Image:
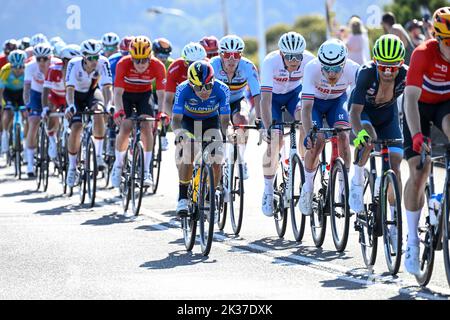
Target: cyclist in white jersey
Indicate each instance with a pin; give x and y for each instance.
(84, 75)
(327, 79)
(281, 84)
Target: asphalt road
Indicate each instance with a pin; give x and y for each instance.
(52, 248)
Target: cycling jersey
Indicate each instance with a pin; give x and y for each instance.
(430, 72)
(316, 85)
(176, 74)
(35, 76)
(189, 104)
(78, 78)
(275, 77)
(3, 60)
(367, 86)
(167, 64)
(130, 80)
(55, 82)
(113, 61)
(245, 74)
(8, 79)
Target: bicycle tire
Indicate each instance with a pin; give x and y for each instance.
(445, 233)
(237, 198)
(340, 240)
(137, 178)
(189, 223)
(91, 172)
(17, 150)
(280, 212)
(125, 182)
(318, 212)
(206, 213)
(38, 156)
(228, 169)
(297, 229)
(156, 161)
(45, 161)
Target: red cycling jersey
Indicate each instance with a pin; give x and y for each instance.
(54, 80)
(430, 72)
(130, 80)
(176, 74)
(3, 60)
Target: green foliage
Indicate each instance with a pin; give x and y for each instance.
(314, 29)
(406, 10)
(374, 34)
(274, 33)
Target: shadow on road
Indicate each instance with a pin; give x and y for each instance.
(271, 243)
(108, 220)
(414, 290)
(163, 226)
(177, 259)
(20, 193)
(59, 210)
(42, 199)
(320, 254)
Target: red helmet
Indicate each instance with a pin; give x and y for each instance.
(125, 44)
(211, 45)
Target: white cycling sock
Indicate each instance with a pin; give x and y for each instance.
(147, 159)
(309, 181)
(120, 158)
(413, 218)
(30, 160)
(268, 185)
(358, 178)
(72, 161)
(98, 143)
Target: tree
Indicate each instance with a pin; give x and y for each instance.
(274, 33)
(406, 10)
(314, 29)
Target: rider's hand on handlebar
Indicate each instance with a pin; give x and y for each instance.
(111, 109)
(118, 115)
(45, 112)
(419, 142)
(70, 111)
(310, 140)
(362, 140)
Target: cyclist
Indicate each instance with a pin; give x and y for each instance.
(84, 75)
(374, 113)
(124, 51)
(24, 43)
(327, 79)
(11, 91)
(35, 72)
(390, 26)
(202, 106)
(177, 72)
(133, 88)
(162, 49)
(110, 43)
(211, 45)
(238, 73)
(427, 99)
(281, 84)
(8, 46)
(54, 94)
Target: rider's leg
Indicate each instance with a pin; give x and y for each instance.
(34, 121)
(147, 140)
(122, 142)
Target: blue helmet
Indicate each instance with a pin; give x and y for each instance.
(17, 58)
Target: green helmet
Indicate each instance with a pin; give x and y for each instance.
(389, 48)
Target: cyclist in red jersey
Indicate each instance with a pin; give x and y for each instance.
(177, 72)
(211, 45)
(8, 46)
(133, 88)
(427, 97)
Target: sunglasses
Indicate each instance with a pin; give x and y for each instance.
(141, 61)
(93, 58)
(110, 48)
(388, 68)
(335, 69)
(18, 66)
(206, 87)
(289, 56)
(235, 55)
(445, 41)
(42, 59)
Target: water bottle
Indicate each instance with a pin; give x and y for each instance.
(434, 206)
(377, 186)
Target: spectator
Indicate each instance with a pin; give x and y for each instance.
(391, 26)
(414, 28)
(343, 33)
(357, 42)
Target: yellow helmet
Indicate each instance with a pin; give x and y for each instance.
(140, 48)
(441, 22)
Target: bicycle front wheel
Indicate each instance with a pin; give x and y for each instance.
(207, 208)
(155, 166)
(280, 210)
(45, 160)
(137, 178)
(125, 190)
(298, 179)
(237, 199)
(318, 217)
(91, 172)
(339, 207)
(38, 156)
(446, 231)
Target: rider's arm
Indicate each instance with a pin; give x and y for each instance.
(160, 82)
(267, 74)
(1, 95)
(224, 108)
(308, 96)
(168, 102)
(355, 117)
(358, 98)
(266, 108)
(307, 106)
(108, 94)
(26, 92)
(45, 94)
(118, 98)
(170, 88)
(176, 121)
(257, 104)
(255, 88)
(178, 108)
(412, 96)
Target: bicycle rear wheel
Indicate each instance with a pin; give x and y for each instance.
(18, 152)
(446, 232)
(392, 245)
(207, 209)
(227, 171)
(298, 220)
(280, 212)
(189, 223)
(137, 178)
(155, 165)
(339, 207)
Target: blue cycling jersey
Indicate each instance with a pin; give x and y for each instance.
(245, 75)
(113, 61)
(189, 104)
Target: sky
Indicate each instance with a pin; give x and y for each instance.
(77, 20)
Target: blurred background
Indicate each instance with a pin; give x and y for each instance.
(182, 21)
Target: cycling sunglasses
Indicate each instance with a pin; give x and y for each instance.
(93, 58)
(388, 68)
(141, 61)
(42, 59)
(18, 66)
(206, 87)
(445, 41)
(335, 69)
(110, 48)
(290, 57)
(235, 55)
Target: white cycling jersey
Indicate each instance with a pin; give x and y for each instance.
(276, 79)
(315, 85)
(34, 75)
(82, 81)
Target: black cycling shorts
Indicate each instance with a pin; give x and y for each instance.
(85, 101)
(140, 101)
(13, 98)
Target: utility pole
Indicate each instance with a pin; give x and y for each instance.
(226, 30)
(262, 50)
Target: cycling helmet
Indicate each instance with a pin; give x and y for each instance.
(57, 47)
(292, 43)
(10, 45)
(441, 22)
(413, 24)
(125, 44)
(70, 51)
(37, 39)
(24, 43)
(200, 73)
(389, 48)
(42, 50)
(162, 46)
(90, 47)
(211, 45)
(332, 52)
(55, 40)
(193, 52)
(17, 58)
(110, 40)
(231, 43)
(140, 47)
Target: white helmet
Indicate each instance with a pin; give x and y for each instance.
(70, 51)
(231, 43)
(37, 39)
(91, 47)
(332, 52)
(110, 39)
(55, 40)
(193, 52)
(42, 50)
(292, 43)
